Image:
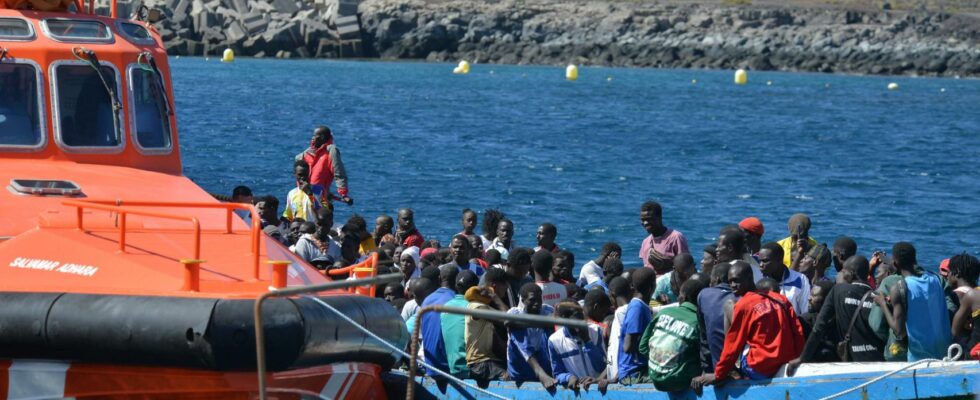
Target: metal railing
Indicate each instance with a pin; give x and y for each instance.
(293, 291)
(118, 206)
(525, 319)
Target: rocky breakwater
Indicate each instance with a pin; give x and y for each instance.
(673, 36)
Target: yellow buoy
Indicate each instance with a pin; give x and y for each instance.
(571, 72)
(463, 68)
(741, 77)
(893, 86)
(228, 56)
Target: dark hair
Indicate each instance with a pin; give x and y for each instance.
(719, 273)
(300, 163)
(711, 248)
(733, 237)
(541, 262)
(610, 247)
(491, 217)
(358, 222)
(652, 207)
(824, 286)
(846, 246)
(307, 227)
(429, 260)
(644, 279)
(465, 280)
(241, 191)
(965, 267)
(495, 275)
(466, 242)
(776, 250)
(270, 200)
(685, 258)
(691, 289)
(468, 211)
(575, 292)
(528, 288)
(903, 255)
(859, 266)
(612, 264)
(492, 257)
(566, 308)
(520, 255)
(567, 255)
(448, 274)
(323, 130)
(620, 287)
(768, 284)
(550, 228)
(595, 297)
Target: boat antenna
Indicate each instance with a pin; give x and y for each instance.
(93, 61)
(145, 61)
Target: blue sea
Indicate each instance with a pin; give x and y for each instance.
(881, 166)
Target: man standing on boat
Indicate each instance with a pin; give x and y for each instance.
(325, 163)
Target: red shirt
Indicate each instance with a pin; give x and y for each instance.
(413, 239)
(769, 326)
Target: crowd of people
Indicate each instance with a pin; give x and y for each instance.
(746, 310)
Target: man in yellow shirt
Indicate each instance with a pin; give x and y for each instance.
(799, 241)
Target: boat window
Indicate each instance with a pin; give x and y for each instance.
(76, 30)
(149, 109)
(135, 33)
(20, 113)
(84, 107)
(15, 29)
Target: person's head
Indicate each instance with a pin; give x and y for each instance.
(350, 243)
(389, 249)
(492, 257)
(505, 231)
(771, 260)
(531, 297)
(468, 221)
(709, 258)
(609, 250)
(394, 291)
(301, 171)
(360, 226)
(491, 219)
(690, 290)
(819, 294)
(294, 230)
(409, 261)
(428, 258)
(903, 256)
(383, 225)
(476, 246)
(324, 219)
(546, 235)
(422, 288)
(447, 276)
(564, 264)
(321, 136)
(644, 281)
(619, 289)
(740, 278)
(651, 217)
(844, 248)
(815, 261)
(859, 266)
(753, 229)
(597, 304)
(519, 262)
(719, 274)
(465, 280)
(612, 267)
(496, 279)
(683, 269)
(767, 284)
(731, 244)
(964, 270)
(883, 271)
(799, 226)
(541, 263)
(569, 309)
(268, 208)
(242, 194)
(307, 228)
(459, 249)
(406, 219)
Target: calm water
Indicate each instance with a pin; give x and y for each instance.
(877, 165)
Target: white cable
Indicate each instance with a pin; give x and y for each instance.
(949, 357)
(402, 352)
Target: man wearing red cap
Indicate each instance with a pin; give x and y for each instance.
(753, 229)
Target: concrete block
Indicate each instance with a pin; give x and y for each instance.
(234, 32)
(348, 26)
(285, 6)
(301, 52)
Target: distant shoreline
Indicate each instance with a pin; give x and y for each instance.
(616, 34)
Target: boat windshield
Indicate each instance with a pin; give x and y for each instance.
(150, 115)
(84, 107)
(20, 119)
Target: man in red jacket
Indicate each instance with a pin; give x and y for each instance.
(325, 163)
(764, 334)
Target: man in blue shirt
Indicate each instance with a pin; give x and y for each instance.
(527, 348)
(461, 249)
(632, 364)
(433, 345)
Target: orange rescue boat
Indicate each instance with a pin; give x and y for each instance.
(119, 277)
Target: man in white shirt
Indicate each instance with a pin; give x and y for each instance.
(794, 285)
(592, 270)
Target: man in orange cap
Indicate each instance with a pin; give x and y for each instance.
(753, 229)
